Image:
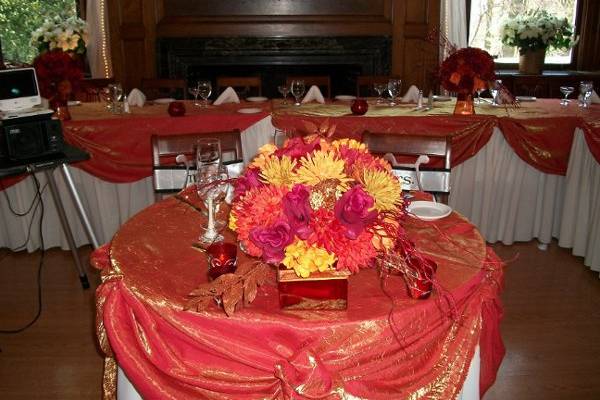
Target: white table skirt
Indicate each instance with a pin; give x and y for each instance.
(506, 198)
(469, 391)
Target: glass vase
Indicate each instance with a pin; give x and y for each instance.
(464, 104)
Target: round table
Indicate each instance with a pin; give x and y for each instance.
(384, 346)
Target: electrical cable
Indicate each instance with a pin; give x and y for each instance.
(40, 265)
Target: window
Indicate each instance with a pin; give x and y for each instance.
(487, 16)
(18, 18)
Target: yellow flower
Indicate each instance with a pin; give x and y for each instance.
(384, 188)
(279, 171)
(383, 240)
(267, 149)
(232, 221)
(304, 258)
(350, 143)
(320, 166)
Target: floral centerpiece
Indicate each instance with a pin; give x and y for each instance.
(69, 35)
(532, 33)
(465, 71)
(58, 76)
(315, 206)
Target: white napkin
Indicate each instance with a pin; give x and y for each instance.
(314, 94)
(136, 98)
(411, 96)
(595, 97)
(228, 96)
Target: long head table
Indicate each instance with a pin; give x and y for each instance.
(383, 346)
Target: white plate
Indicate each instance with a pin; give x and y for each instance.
(343, 97)
(442, 98)
(526, 98)
(249, 110)
(429, 210)
(72, 103)
(256, 99)
(165, 100)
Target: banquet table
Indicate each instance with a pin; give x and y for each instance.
(518, 174)
(385, 345)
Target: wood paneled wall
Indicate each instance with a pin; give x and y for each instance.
(135, 25)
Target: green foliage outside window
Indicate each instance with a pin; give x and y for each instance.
(18, 18)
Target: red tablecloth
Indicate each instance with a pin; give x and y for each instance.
(540, 132)
(380, 348)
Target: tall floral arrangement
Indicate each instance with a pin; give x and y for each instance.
(537, 30)
(467, 70)
(316, 205)
(66, 34)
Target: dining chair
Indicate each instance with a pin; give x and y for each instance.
(243, 85)
(416, 150)
(323, 82)
(90, 90)
(174, 158)
(158, 88)
(364, 84)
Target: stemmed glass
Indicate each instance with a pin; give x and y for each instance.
(297, 89)
(210, 184)
(566, 91)
(495, 91)
(204, 90)
(195, 91)
(284, 90)
(479, 91)
(379, 88)
(585, 91)
(394, 87)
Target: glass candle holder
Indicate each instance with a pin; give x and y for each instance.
(222, 259)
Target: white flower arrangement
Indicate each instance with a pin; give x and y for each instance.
(70, 34)
(538, 30)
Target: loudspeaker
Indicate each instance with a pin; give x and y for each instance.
(26, 140)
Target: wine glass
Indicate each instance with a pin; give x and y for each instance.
(379, 88)
(284, 90)
(394, 87)
(585, 92)
(195, 91)
(208, 178)
(107, 96)
(116, 94)
(479, 91)
(566, 91)
(297, 89)
(495, 91)
(204, 90)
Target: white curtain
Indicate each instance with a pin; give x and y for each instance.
(454, 23)
(98, 49)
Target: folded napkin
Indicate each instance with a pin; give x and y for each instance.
(411, 96)
(136, 98)
(228, 96)
(314, 94)
(595, 97)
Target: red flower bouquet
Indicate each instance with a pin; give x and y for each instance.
(58, 74)
(467, 70)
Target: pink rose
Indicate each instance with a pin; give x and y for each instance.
(352, 210)
(272, 240)
(297, 210)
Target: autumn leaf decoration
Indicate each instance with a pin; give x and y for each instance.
(231, 289)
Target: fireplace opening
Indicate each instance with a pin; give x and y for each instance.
(273, 59)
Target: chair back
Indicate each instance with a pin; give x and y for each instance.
(158, 88)
(168, 176)
(434, 180)
(323, 82)
(244, 86)
(364, 84)
(90, 90)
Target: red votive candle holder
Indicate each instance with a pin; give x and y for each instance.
(419, 278)
(222, 259)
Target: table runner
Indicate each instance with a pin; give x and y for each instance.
(378, 349)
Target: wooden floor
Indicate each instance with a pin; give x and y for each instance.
(551, 328)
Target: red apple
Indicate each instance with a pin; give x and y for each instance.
(359, 107)
(176, 109)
